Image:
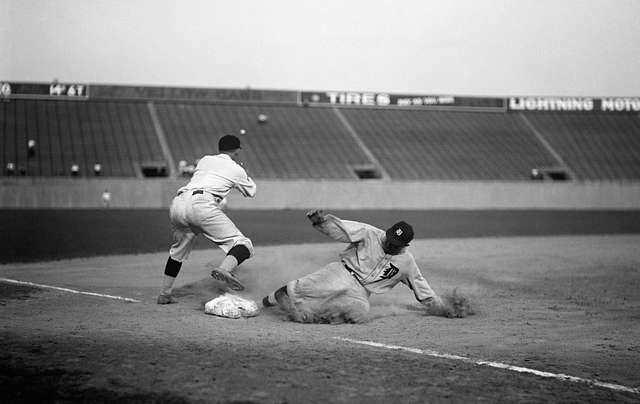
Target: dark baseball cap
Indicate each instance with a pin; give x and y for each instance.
(228, 142)
(400, 233)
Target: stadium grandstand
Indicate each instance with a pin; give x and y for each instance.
(119, 131)
(289, 141)
(596, 146)
(115, 135)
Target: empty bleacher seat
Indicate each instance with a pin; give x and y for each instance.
(438, 145)
(296, 142)
(117, 134)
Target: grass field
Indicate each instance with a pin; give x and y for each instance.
(562, 310)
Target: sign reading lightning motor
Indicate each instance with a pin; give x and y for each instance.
(575, 104)
(620, 104)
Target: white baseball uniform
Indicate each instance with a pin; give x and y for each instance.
(196, 209)
(342, 289)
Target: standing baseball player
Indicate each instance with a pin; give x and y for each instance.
(197, 208)
(374, 262)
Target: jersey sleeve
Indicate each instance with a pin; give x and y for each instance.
(418, 284)
(346, 231)
(244, 184)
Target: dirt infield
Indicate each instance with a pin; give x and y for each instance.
(563, 305)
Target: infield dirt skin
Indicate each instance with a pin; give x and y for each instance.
(557, 304)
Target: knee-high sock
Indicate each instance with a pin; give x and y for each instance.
(273, 296)
(236, 256)
(171, 270)
(229, 263)
(167, 284)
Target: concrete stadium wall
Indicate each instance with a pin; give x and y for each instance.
(80, 193)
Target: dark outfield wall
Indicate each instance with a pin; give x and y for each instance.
(46, 234)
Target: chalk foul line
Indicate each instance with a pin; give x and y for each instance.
(559, 376)
(80, 292)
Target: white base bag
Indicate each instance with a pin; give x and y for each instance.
(231, 306)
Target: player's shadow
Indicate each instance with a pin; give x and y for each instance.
(200, 291)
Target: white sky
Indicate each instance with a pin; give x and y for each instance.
(457, 47)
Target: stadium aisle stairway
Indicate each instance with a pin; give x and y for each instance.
(293, 142)
(440, 145)
(595, 146)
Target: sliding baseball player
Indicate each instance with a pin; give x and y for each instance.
(374, 262)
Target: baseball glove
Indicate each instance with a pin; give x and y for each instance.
(451, 305)
(316, 216)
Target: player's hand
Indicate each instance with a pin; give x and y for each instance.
(434, 304)
(454, 305)
(316, 216)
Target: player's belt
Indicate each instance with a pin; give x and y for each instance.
(353, 273)
(202, 191)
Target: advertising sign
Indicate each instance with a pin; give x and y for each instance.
(381, 99)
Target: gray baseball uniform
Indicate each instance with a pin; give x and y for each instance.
(342, 289)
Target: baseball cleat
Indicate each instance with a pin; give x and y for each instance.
(228, 278)
(166, 299)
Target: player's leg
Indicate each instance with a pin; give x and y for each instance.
(179, 251)
(328, 295)
(218, 228)
(275, 297)
(177, 254)
(225, 271)
(352, 306)
(171, 269)
(305, 291)
(239, 253)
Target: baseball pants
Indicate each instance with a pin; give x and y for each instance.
(198, 213)
(329, 295)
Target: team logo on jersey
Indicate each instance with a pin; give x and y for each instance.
(390, 272)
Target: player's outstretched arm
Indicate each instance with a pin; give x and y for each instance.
(329, 225)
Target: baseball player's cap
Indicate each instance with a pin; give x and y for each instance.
(228, 142)
(400, 233)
